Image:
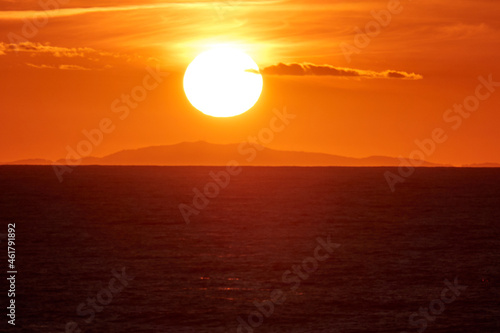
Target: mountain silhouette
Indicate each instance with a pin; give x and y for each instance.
(208, 154)
(33, 161)
(482, 165)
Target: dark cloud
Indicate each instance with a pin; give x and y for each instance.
(327, 70)
(46, 56)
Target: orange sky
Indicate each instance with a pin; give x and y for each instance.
(67, 73)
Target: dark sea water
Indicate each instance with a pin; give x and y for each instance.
(396, 250)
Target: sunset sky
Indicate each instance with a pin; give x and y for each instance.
(64, 76)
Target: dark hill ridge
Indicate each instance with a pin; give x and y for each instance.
(33, 161)
(203, 153)
(482, 165)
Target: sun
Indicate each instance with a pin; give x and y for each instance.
(223, 82)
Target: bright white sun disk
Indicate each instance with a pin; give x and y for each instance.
(223, 82)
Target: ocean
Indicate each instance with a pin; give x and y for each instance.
(270, 249)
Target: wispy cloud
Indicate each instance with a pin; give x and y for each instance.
(63, 12)
(306, 69)
(46, 56)
(460, 31)
(73, 68)
(42, 66)
(56, 51)
(63, 67)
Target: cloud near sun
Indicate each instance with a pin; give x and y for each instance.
(307, 69)
(85, 58)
